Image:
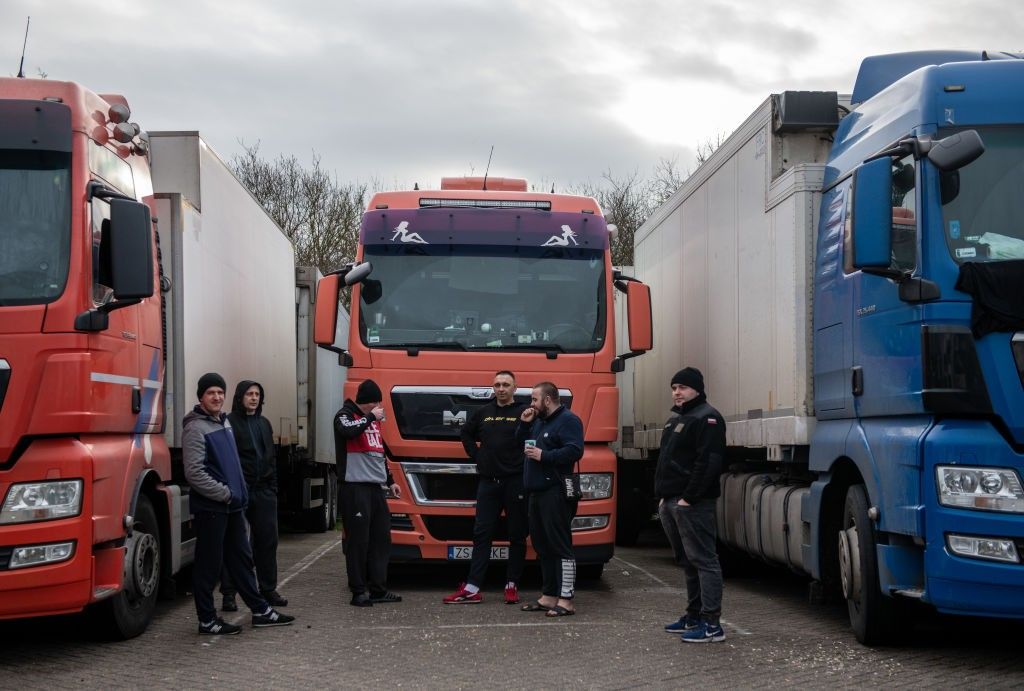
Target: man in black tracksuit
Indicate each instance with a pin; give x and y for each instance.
(499, 466)
(557, 436)
(690, 463)
(254, 438)
(362, 474)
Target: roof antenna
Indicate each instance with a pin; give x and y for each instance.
(21, 67)
(552, 188)
(488, 166)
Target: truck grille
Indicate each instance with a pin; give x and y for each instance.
(440, 483)
(460, 528)
(437, 413)
(5, 378)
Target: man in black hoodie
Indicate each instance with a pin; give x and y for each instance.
(254, 438)
(499, 467)
(687, 480)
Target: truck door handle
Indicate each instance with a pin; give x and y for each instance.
(857, 380)
(136, 400)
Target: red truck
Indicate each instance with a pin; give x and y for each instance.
(450, 286)
(107, 319)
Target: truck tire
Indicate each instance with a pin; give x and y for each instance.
(873, 616)
(127, 614)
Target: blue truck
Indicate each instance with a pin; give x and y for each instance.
(848, 272)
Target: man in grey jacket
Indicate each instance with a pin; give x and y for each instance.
(217, 500)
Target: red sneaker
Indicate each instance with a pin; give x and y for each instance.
(511, 595)
(463, 597)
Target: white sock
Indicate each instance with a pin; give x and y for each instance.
(472, 589)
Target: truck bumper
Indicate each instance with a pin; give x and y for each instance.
(962, 585)
(57, 588)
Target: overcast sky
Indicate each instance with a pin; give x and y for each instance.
(403, 92)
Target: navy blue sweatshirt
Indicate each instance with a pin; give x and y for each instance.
(560, 438)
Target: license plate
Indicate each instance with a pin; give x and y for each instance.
(466, 552)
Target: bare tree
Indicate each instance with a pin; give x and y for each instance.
(318, 214)
(709, 146)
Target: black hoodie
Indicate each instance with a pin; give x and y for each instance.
(692, 453)
(254, 438)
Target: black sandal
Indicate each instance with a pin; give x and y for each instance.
(534, 607)
(559, 611)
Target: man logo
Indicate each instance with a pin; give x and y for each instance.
(454, 419)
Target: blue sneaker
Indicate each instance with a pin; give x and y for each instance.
(704, 633)
(685, 623)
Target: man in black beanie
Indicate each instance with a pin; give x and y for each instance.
(690, 462)
(362, 474)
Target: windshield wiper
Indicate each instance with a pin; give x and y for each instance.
(413, 348)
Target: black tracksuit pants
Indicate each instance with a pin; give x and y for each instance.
(222, 540)
(551, 531)
(262, 516)
(366, 520)
(492, 496)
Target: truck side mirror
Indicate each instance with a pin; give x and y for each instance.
(872, 215)
(325, 319)
(956, 150)
(131, 250)
(638, 313)
(358, 273)
(638, 319)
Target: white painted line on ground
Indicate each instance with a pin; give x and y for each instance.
(737, 629)
(300, 566)
(647, 573)
(307, 561)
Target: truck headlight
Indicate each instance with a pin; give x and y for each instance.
(595, 485)
(38, 555)
(991, 489)
(41, 501)
(994, 548)
(589, 523)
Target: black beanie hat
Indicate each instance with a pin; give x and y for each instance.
(210, 379)
(690, 376)
(369, 392)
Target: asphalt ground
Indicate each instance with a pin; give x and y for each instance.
(775, 638)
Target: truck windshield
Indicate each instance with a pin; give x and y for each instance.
(484, 297)
(983, 202)
(35, 225)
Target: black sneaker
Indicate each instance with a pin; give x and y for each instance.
(274, 598)
(361, 600)
(229, 604)
(218, 627)
(385, 598)
(271, 618)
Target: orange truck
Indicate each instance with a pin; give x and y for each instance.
(450, 286)
(107, 319)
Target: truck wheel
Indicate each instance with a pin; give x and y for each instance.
(128, 613)
(589, 572)
(872, 614)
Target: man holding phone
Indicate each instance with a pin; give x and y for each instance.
(499, 466)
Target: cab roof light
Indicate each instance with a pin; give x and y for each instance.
(435, 202)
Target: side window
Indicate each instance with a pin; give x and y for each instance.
(904, 214)
(102, 293)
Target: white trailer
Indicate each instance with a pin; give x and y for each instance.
(729, 259)
(239, 306)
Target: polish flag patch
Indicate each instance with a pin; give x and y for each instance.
(712, 421)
